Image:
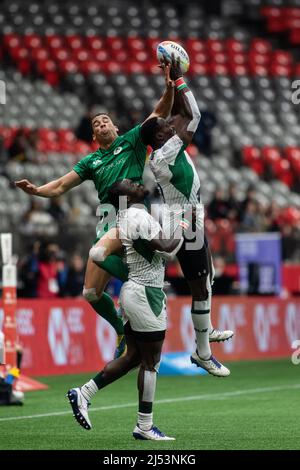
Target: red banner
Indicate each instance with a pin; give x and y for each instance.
(66, 336)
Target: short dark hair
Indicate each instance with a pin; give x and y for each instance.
(98, 114)
(148, 131)
(114, 193)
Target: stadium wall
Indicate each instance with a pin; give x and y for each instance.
(66, 336)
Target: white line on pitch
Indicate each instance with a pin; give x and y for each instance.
(216, 396)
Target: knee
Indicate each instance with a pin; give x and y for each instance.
(151, 366)
(132, 360)
(98, 254)
(91, 295)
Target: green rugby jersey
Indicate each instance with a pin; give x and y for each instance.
(125, 158)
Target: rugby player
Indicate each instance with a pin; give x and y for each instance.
(143, 304)
(179, 184)
(117, 157)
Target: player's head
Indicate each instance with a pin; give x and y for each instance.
(156, 131)
(134, 192)
(104, 130)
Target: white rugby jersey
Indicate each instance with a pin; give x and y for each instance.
(175, 173)
(176, 176)
(136, 227)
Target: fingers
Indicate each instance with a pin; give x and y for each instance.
(25, 185)
(21, 183)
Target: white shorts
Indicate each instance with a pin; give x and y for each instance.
(144, 307)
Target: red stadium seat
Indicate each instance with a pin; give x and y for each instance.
(277, 70)
(237, 69)
(215, 45)
(74, 42)
(195, 45)
(95, 43)
(261, 46)
(282, 170)
(282, 58)
(90, 66)
(260, 70)
(271, 12)
(134, 67)
(234, 46)
(199, 69)
(68, 66)
(256, 58)
(237, 59)
(135, 44)
(200, 58)
(219, 58)
(218, 69)
(32, 41)
(53, 41)
(270, 154)
(252, 158)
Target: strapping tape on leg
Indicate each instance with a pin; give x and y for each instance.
(97, 254)
(149, 385)
(203, 306)
(90, 294)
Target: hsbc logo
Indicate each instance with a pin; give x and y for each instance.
(58, 336)
(265, 317)
(232, 317)
(292, 322)
(24, 322)
(106, 339)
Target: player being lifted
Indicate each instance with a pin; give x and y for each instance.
(117, 157)
(143, 303)
(179, 183)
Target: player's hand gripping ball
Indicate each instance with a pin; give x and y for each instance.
(165, 50)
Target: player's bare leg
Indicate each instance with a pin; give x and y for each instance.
(80, 397)
(150, 353)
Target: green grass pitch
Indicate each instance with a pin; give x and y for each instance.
(257, 407)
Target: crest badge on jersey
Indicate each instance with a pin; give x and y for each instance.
(118, 150)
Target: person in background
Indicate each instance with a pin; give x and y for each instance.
(75, 277)
(47, 282)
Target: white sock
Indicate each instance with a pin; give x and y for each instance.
(211, 327)
(149, 386)
(201, 327)
(89, 389)
(145, 421)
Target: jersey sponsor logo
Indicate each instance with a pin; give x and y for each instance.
(118, 150)
(96, 162)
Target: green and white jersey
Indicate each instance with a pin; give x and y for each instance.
(137, 227)
(125, 158)
(175, 173)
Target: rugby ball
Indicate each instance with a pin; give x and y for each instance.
(165, 50)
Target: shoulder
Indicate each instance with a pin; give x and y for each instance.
(133, 135)
(170, 149)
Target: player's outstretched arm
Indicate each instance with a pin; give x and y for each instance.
(173, 242)
(187, 125)
(164, 106)
(185, 112)
(53, 188)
